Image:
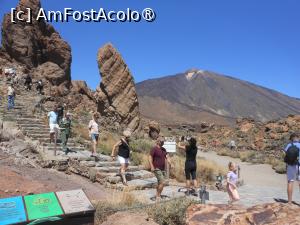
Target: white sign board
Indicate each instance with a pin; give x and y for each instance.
(74, 201)
(170, 146)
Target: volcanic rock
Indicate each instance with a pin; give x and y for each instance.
(272, 214)
(116, 96)
(36, 43)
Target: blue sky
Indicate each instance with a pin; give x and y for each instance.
(253, 40)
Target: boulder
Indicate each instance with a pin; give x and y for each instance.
(154, 130)
(80, 87)
(272, 214)
(116, 96)
(33, 44)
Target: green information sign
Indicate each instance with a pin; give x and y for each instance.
(42, 206)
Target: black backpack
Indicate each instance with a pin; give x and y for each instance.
(292, 155)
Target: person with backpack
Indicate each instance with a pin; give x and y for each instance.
(292, 164)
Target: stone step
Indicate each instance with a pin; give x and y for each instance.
(115, 169)
(74, 148)
(116, 178)
(34, 126)
(137, 184)
(37, 131)
(107, 164)
(32, 122)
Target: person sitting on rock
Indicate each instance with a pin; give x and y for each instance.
(232, 179)
(157, 159)
(123, 154)
(52, 118)
(65, 127)
(292, 160)
(190, 164)
(94, 133)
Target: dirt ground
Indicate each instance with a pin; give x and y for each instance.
(16, 180)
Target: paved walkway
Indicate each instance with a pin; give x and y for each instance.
(262, 184)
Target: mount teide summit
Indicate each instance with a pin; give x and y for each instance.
(202, 96)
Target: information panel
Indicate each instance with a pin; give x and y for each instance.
(12, 211)
(42, 206)
(170, 146)
(74, 201)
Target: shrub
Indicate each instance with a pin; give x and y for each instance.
(140, 159)
(117, 202)
(280, 167)
(141, 145)
(170, 213)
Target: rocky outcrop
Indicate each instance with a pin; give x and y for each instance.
(116, 96)
(37, 45)
(268, 137)
(272, 214)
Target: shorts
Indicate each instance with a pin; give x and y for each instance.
(190, 170)
(292, 173)
(160, 176)
(123, 160)
(53, 128)
(94, 137)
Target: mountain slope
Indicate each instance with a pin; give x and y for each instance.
(197, 96)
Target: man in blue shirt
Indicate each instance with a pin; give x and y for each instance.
(293, 173)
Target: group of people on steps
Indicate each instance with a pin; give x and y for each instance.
(159, 159)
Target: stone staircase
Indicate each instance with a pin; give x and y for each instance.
(100, 169)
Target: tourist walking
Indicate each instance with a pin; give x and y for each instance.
(191, 150)
(65, 131)
(158, 159)
(40, 87)
(52, 118)
(292, 161)
(60, 112)
(10, 97)
(28, 82)
(123, 154)
(232, 179)
(94, 133)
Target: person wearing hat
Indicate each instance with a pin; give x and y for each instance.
(65, 127)
(123, 154)
(10, 96)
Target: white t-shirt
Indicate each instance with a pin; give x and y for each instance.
(93, 127)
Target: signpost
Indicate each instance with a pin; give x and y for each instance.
(12, 211)
(42, 206)
(74, 202)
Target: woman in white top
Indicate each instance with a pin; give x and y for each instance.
(94, 132)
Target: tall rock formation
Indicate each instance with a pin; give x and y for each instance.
(116, 96)
(34, 44)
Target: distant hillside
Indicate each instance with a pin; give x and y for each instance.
(197, 96)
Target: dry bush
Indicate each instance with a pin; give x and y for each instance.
(107, 141)
(118, 201)
(141, 145)
(206, 170)
(172, 212)
(140, 159)
(230, 153)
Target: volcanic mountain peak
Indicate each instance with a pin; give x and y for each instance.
(192, 73)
